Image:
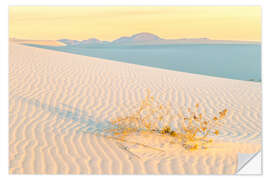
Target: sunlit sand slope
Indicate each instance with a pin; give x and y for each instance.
(59, 104)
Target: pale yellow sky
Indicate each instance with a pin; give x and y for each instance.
(109, 23)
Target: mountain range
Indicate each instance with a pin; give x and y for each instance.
(143, 38)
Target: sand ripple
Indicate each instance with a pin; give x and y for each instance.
(59, 102)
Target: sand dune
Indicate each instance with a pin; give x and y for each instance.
(59, 104)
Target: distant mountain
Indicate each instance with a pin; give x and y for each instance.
(91, 41)
(152, 39)
(137, 38)
(69, 41)
(143, 38)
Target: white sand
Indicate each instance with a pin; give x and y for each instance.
(47, 135)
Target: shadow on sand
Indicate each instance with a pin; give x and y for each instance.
(81, 119)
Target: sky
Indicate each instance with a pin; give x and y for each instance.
(109, 23)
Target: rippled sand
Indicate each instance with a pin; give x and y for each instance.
(59, 103)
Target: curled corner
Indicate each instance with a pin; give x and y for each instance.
(249, 164)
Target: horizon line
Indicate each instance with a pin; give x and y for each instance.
(180, 38)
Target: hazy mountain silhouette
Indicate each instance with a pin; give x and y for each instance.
(146, 38)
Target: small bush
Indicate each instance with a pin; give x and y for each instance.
(194, 131)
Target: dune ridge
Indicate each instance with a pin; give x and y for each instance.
(59, 104)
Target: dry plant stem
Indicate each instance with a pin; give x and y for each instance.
(193, 135)
(135, 143)
(126, 149)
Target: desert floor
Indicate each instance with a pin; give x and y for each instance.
(59, 104)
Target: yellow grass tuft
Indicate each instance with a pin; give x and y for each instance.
(192, 135)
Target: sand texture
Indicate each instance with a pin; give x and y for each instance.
(59, 104)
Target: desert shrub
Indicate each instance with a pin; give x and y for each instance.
(151, 116)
